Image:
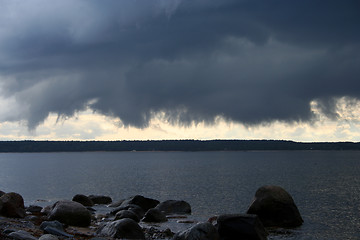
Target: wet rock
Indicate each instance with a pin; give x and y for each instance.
(84, 200)
(22, 235)
(241, 226)
(48, 237)
(57, 232)
(12, 205)
(46, 210)
(127, 214)
(154, 233)
(143, 202)
(53, 224)
(154, 215)
(124, 228)
(132, 207)
(100, 199)
(71, 213)
(201, 231)
(116, 204)
(174, 207)
(34, 209)
(275, 207)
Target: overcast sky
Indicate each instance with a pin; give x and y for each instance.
(248, 68)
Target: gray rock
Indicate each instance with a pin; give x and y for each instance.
(132, 207)
(46, 210)
(84, 200)
(174, 207)
(127, 214)
(1, 193)
(48, 237)
(116, 204)
(12, 205)
(57, 232)
(154, 215)
(241, 226)
(22, 235)
(8, 231)
(71, 213)
(143, 202)
(275, 208)
(34, 209)
(201, 231)
(54, 224)
(124, 228)
(100, 199)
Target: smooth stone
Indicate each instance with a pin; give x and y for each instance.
(34, 209)
(201, 231)
(127, 214)
(143, 202)
(8, 231)
(275, 207)
(240, 226)
(54, 224)
(48, 237)
(174, 207)
(57, 232)
(22, 235)
(12, 205)
(116, 204)
(123, 228)
(71, 213)
(154, 215)
(132, 207)
(100, 199)
(84, 200)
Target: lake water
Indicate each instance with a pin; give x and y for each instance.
(324, 184)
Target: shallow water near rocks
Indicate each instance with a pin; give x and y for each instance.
(324, 184)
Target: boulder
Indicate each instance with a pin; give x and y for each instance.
(116, 204)
(1, 193)
(71, 213)
(84, 200)
(275, 208)
(154, 215)
(12, 205)
(132, 207)
(127, 214)
(201, 231)
(100, 199)
(241, 226)
(174, 207)
(123, 228)
(143, 202)
(34, 209)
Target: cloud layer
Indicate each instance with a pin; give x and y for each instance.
(249, 61)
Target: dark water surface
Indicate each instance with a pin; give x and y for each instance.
(324, 184)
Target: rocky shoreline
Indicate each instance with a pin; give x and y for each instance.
(139, 217)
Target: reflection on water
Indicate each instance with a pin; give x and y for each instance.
(325, 185)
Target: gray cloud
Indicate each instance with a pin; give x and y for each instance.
(248, 61)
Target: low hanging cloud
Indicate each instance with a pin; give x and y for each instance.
(249, 61)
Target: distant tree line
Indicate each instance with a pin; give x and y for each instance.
(171, 145)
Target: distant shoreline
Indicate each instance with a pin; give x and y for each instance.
(170, 145)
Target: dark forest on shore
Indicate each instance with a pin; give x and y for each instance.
(171, 145)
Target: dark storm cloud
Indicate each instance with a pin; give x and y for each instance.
(191, 60)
